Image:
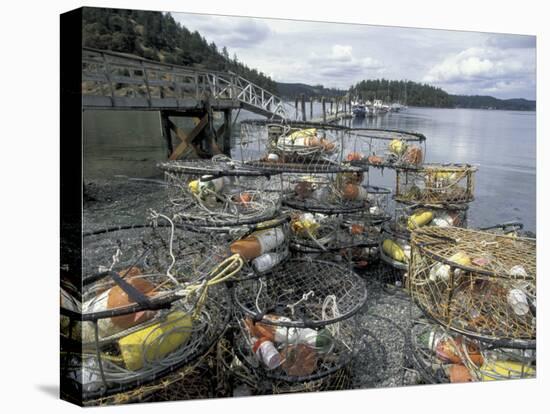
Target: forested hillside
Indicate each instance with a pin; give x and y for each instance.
(157, 36)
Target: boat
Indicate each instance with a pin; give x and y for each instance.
(359, 109)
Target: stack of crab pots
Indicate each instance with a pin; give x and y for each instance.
(297, 325)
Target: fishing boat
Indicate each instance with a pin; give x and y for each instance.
(359, 109)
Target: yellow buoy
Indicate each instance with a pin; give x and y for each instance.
(393, 250)
(419, 219)
(303, 133)
(505, 369)
(398, 147)
(155, 341)
(194, 186)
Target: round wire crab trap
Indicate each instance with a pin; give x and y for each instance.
(408, 218)
(194, 381)
(476, 283)
(243, 378)
(443, 356)
(143, 312)
(349, 238)
(435, 184)
(385, 148)
(302, 147)
(298, 323)
(122, 351)
(220, 192)
(326, 193)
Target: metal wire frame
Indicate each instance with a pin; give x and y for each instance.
(435, 184)
(342, 352)
(259, 139)
(458, 213)
(325, 193)
(282, 291)
(338, 234)
(147, 246)
(483, 361)
(473, 298)
(371, 148)
(105, 370)
(193, 381)
(244, 372)
(203, 194)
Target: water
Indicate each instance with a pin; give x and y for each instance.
(501, 143)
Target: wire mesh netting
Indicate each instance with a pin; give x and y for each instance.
(148, 307)
(476, 283)
(384, 148)
(443, 356)
(298, 323)
(435, 184)
(220, 192)
(408, 218)
(293, 147)
(349, 238)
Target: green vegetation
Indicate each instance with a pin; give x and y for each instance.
(489, 102)
(293, 90)
(157, 36)
(406, 92)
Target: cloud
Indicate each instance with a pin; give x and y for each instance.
(477, 64)
(512, 42)
(341, 63)
(233, 32)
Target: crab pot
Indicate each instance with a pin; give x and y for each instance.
(476, 283)
(220, 192)
(242, 377)
(340, 193)
(443, 356)
(384, 148)
(292, 146)
(408, 218)
(194, 381)
(435, 184)
(133, 344)
(339, 238)
(299, 324)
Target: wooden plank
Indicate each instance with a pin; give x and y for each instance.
(187, 139)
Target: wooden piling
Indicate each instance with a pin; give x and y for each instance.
(303, 99)
(311, 109)
(323, 104)
(166, 131)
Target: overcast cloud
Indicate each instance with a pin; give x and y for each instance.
(339, 55)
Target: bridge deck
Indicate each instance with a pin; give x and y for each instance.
(118, 81)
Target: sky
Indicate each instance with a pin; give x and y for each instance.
(339, 55)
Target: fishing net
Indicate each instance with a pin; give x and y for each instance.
(298, 323)
(220, 192)
(442, 356)
(302, 147)
(476, 283)
(435, 184)
(384, 148)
